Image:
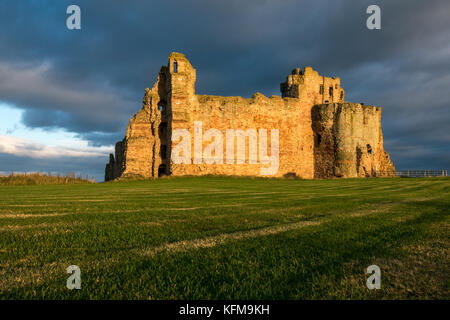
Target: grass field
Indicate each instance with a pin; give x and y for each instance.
(227, 238)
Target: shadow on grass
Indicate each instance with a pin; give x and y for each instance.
(298, 264)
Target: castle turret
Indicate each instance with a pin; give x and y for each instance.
(308, 85)
(182, 77)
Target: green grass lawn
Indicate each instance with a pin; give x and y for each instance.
(227, 238)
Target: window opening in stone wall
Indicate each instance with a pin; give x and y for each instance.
(175, 67)
(342, 95)
(331, 91)
(369, 149)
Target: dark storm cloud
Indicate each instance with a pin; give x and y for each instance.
(91, 81)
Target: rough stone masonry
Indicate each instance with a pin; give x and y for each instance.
(320, 134)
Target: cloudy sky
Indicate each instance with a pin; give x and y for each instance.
(66, 95)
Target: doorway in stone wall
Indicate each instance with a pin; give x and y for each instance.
(162, 170)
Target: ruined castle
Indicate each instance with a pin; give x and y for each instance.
(309, 132)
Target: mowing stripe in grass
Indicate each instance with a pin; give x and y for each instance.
(213, 241)
(246, 238)
(209, 242)
(31, 215)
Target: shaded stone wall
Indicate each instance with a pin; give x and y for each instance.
(320, 135)
(348, 141)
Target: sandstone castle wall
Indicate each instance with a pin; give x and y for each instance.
(320, 134)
